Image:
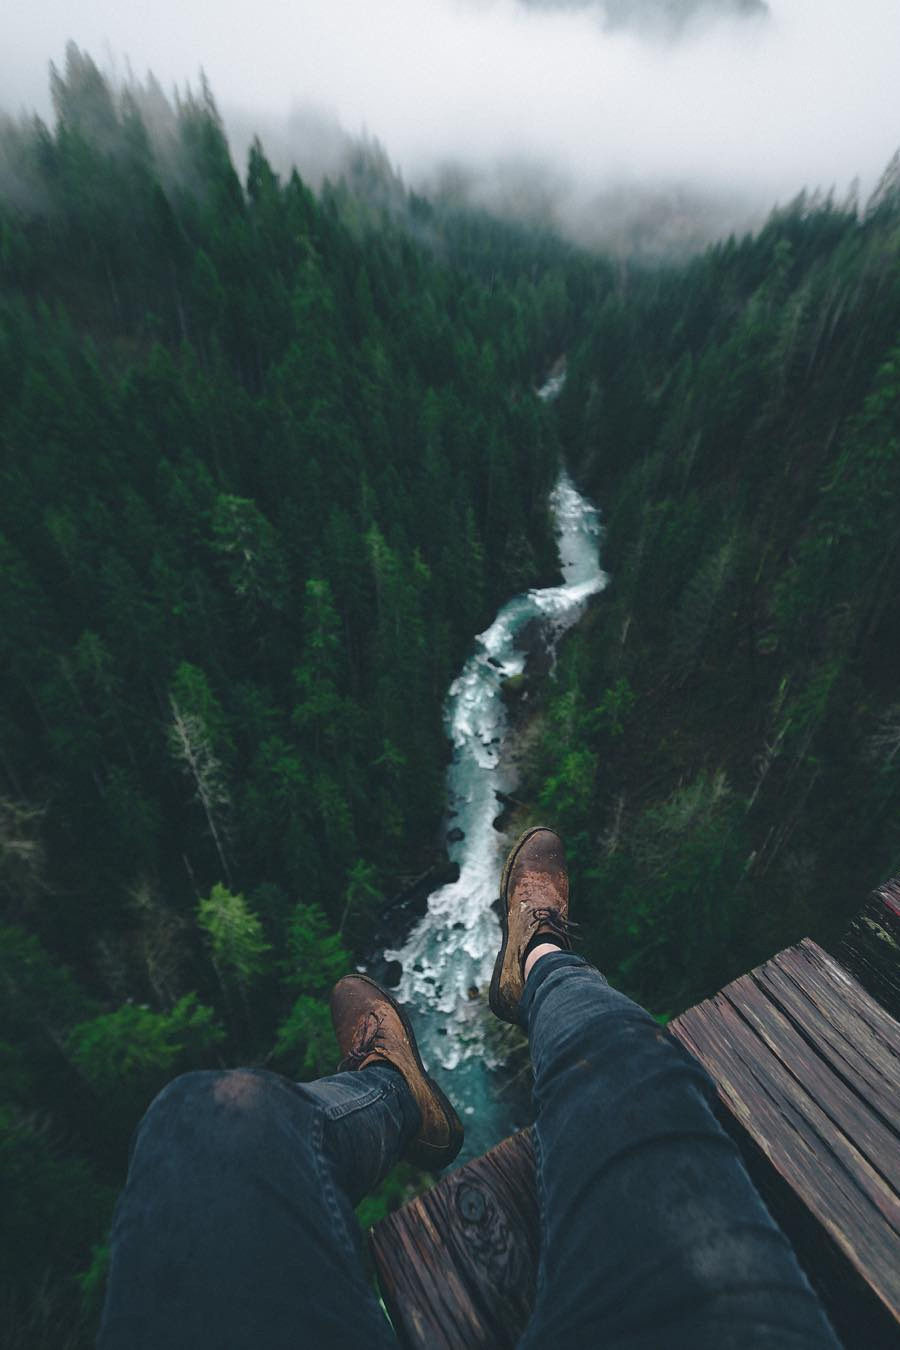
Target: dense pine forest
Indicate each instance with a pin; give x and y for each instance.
(721, 748)
(269, 460)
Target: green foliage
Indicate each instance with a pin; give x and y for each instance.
(720, 738)
(239, 948)
(270, 461)
(363, 897)
(305, 1043)
(685, 858)
(316, 957)
(53, 1208)
(92, 1283)
(402, 1183)
(611, 712)
(249, 548)
(565, 795)
(136, 1050)
(38, 998)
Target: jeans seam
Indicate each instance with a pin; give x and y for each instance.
(341, 1109)
(542, 1214)
(326, 1183)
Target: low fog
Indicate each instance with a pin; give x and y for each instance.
(696, 109)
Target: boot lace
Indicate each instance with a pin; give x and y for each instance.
(367, 1038)
(552, 920)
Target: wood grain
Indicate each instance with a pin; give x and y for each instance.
(457, 1266)
(809, 1065)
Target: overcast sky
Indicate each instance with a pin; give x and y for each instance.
(810, 97)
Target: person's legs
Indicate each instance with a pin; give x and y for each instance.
(236, 1226)
(652, 1234)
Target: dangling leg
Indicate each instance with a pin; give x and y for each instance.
(652, 1233)
(236, 1226)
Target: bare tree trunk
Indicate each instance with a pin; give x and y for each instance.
(190, 742)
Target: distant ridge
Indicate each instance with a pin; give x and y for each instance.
(669, 17)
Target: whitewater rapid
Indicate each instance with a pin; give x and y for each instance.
(448, 958)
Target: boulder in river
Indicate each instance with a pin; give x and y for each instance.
(536, 640)
(515, 688)
(391, 975)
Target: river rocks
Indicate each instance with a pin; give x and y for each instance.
(536, 640)
(392, 974)
(515, 688)
(402, 912)
(456, 835)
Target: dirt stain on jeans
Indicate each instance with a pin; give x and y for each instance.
(237, 1088)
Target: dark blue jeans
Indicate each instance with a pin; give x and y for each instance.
(236, 1227)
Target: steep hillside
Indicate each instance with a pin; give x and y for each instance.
(270, 459)
(267, 464)
(721, 745)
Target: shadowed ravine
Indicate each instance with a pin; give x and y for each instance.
(448, 957)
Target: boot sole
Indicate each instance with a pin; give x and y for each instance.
(499, 1006)
(432, 1157)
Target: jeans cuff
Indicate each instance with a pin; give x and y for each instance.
(540, 972)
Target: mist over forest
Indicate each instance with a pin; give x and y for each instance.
(659, 18)
(272, 454)
(661, 124)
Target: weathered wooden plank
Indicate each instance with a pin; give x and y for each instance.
(833, 1200)
(810, 1067)
(754, 1090)
(849, 998)
(805, 1061)
(838, 1116)
(457, 1266)
(823, 1009)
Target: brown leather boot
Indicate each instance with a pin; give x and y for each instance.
(534, 902)
(372, 1028)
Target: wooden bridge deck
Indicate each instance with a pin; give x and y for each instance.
(457, 1265)
(807, 1066)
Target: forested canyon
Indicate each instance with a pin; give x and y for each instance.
(271, 459)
